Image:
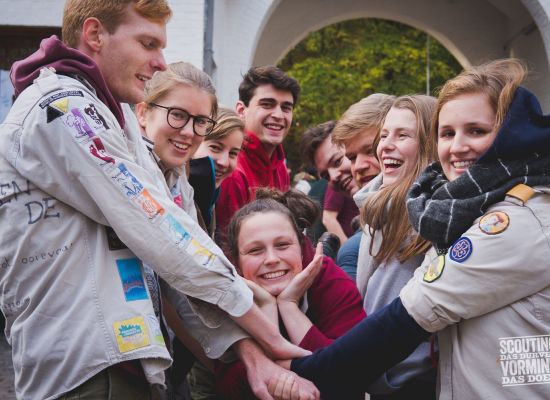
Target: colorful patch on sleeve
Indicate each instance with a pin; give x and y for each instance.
(175, 191)
(461, 250)
(178, 232)
(202, 255)
(76, 121)
(156, 332)
(98, 150)
(61, 105)
(58, 96)
(435, 269)
(148, 204)
(131, 278)
(96, 118)
(52, 114)
(127, 181)
(494, 223)
(178, 199)
(131, 334)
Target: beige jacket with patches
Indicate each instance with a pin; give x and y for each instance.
(74, 297)
(490, 302)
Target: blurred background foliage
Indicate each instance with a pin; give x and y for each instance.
(340, 64)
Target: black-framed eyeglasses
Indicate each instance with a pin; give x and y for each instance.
(177, 118)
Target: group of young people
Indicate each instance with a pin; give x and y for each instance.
(134, 237)
(455, 230)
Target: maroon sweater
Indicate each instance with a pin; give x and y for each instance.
(334, 307)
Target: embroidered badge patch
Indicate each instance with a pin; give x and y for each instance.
(435, 269)
(202, 255)
(178, 232)
(131, 279)
(58, 96)
(494, 223)
(461, 250)
(98, 150)
(82, 130)
(96, 118)
(131, 334)
(52, 114)
(155, 329)
(148, 204)
(127, 181)
(61, 105)
(56, 109)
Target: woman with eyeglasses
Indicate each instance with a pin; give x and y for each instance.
(179, 110)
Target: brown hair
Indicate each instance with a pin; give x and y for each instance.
(366, 113)
(386, 212)
(312, 138)
(109, 12)
(304, 213)
(180, 73)
(267, 75)
(498, 80)
(227, 121)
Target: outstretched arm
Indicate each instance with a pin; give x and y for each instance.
(377, 343)
(268, 380)
(267, 334)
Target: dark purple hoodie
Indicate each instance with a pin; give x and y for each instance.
(66, 61)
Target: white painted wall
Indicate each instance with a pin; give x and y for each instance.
(31, 12)
(236, 23)
(185, 32)
(255, 32)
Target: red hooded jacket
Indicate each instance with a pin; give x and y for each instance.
(254, 170)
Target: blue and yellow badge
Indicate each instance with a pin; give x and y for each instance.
(131, 278)
(494, 223)
(435, 269)
(131, 334)
(461, 250)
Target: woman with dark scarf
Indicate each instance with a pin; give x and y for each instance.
(484, 286)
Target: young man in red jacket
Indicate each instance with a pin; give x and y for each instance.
(267, 97)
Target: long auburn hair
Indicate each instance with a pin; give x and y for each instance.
(385, 212)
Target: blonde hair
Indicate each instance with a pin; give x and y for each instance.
(366, 113)
(180, 73)
(498, 80)
(109, 12)
(386, 212)
(227, 121)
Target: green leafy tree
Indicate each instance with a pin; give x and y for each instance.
(342, 63)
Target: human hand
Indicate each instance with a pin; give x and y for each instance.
(261, 296)
(267, 334)
(302, 281)
(289, 386)
(270, 381)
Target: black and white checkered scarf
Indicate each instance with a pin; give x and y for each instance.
(440, 211)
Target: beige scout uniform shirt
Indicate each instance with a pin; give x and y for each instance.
(75, 302)
(489, 296)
